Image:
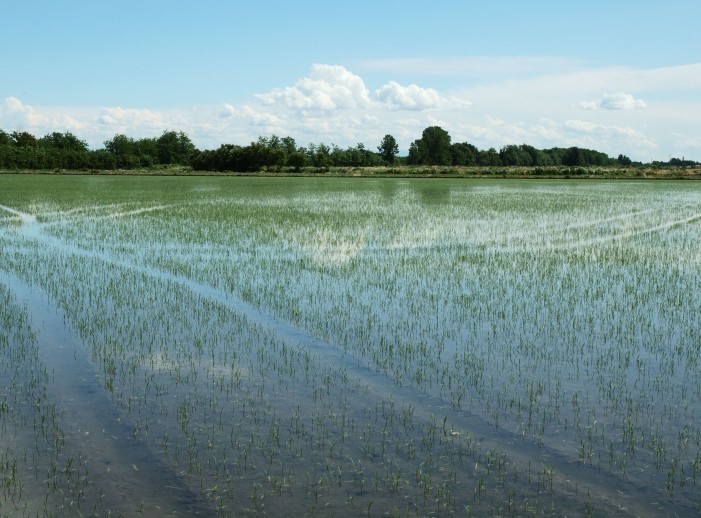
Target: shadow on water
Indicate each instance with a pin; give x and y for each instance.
(125, 477)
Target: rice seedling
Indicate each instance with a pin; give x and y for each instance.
(251, 345)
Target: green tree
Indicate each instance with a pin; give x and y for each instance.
(319, 155)
(297, 159)
(624, 160)
(23, 139)
(515, 156)
(388, 149)
(102, 159)
(289, 145)
(489, 157)
(175, 147)
(433, 148)
(120, 145)
(417, 153)
(64, 142)
(437, 145)
(463, 153)
(124, 150)
(5, 139)
(146, 152)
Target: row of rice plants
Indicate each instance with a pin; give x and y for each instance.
(121, 350)
(516, 329)
(561, 292)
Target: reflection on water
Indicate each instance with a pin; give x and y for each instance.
(242, 346)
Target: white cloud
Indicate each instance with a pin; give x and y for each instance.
(332, 87)
(15, 114)
(545, 133)
(334, 105)
(121, 117)
(13, 105)
(228, 110)
(582, 126)
(621, 101)
(686, 142)
(412, 97)
(590, 105)
(615, 101)
(248, 115)
(603, 137)
(328, 87)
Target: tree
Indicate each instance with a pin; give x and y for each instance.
(489, 157)
(175, 147)
(417, 153)
(433, 148)
(289, 145)
(463, 153)
(23, 139)
(102, 159)
(125, 151)
(624, 160)
(576, 156)
(146, 151)
(297, 159)
(120, 145)
(512, 155)
(64, 142)
(388, 149)
(437, 145)
(319, 155)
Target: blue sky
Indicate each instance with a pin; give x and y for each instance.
(616, 76)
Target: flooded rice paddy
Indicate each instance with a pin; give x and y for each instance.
(355, 347)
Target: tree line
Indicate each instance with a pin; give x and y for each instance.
(434, 148)
(22, 150)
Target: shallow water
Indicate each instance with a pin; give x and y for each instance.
(330, 347)
(123, 476)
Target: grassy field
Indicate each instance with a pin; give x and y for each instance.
(312, 346)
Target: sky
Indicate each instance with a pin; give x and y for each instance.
(618, 76)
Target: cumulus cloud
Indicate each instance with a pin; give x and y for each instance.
(604, 137)
(615, 101)
(15, 114)
(13, 105)
(227, 110)
(333, 87)
(621, 101)
(249, 115)
(328, 87)
(582, 126)
(118, 117)
(412, 97)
